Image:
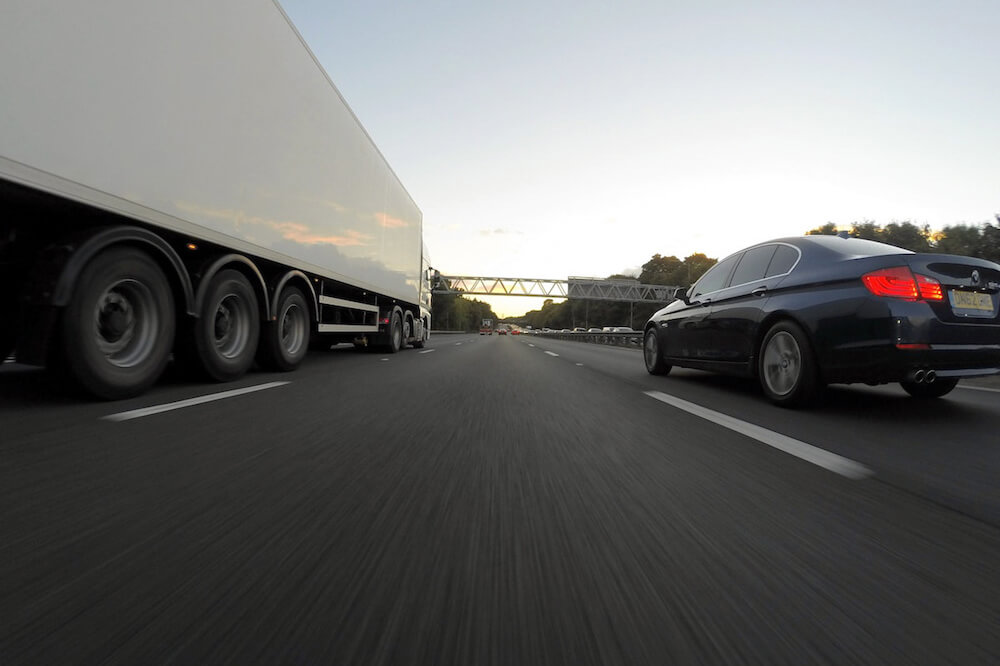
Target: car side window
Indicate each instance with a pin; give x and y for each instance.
(783, 260)
(716, 278)
(753, 265)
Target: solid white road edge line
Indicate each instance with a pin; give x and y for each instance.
(180, 404)
(808, 452)
(552, 353)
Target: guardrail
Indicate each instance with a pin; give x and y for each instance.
(632, 339)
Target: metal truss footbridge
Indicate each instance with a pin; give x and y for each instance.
(594, 289)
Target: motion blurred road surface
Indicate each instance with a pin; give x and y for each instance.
(496, 500)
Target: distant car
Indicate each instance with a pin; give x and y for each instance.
(565, 330)
(594, 330)
(800, 313)
(516, 331)
(502, 331)
(579, 329)
(622, 329)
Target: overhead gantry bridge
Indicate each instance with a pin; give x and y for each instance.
(595, 289)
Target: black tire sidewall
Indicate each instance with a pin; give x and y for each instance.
(807, 383)
(395, 333)
(659, 367)
(215, 365)
(277, 357)
(85, 362)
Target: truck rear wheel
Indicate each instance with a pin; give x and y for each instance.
(228, 328)
(118, 329)
(285, 341)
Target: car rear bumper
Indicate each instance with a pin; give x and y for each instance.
(890, 363)
(889, 341)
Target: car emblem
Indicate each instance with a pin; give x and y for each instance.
(975, 277)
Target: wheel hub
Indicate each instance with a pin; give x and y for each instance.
(223, 322)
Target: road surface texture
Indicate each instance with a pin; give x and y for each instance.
(496, 500)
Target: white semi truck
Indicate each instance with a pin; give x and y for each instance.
(183, 178)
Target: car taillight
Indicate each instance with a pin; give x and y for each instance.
(930, 289)
(901, 282)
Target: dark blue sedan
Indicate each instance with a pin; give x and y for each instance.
(800, 313)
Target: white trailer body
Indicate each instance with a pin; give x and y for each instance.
(212, 128)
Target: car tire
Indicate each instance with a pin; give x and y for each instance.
(655, 365)
(285, 341)
(935, 389)
(118, 329)
(786, 366)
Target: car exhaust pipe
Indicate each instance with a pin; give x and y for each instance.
(918, 376)
(929, 376)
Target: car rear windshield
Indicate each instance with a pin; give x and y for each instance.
(855, 247)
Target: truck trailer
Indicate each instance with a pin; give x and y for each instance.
(183, 180)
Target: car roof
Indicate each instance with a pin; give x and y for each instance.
(834, 247)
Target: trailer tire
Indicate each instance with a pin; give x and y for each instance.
(285, 341)
(225, 334)
(118, 329)
(395, 333)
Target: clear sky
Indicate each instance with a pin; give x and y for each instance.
(556, 138)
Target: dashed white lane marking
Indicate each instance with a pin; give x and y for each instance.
(180, 404)
(458, 344)
(530, 345)
(580, 364)
(383, 359)
(427, 351)
(808, 452)
(552, 353)
(980, 388)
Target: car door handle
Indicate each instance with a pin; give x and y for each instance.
(759, 291)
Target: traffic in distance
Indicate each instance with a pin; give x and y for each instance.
(801, 313)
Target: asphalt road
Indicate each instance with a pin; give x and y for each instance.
(496, 500)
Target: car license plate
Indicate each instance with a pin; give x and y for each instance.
(972, 302)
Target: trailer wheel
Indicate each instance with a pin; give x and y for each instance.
(395, 333)
(228, 328)
(285, 341)
(407, 331)
(118, 329)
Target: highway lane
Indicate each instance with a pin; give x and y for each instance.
(484, 502)
(945, 450)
